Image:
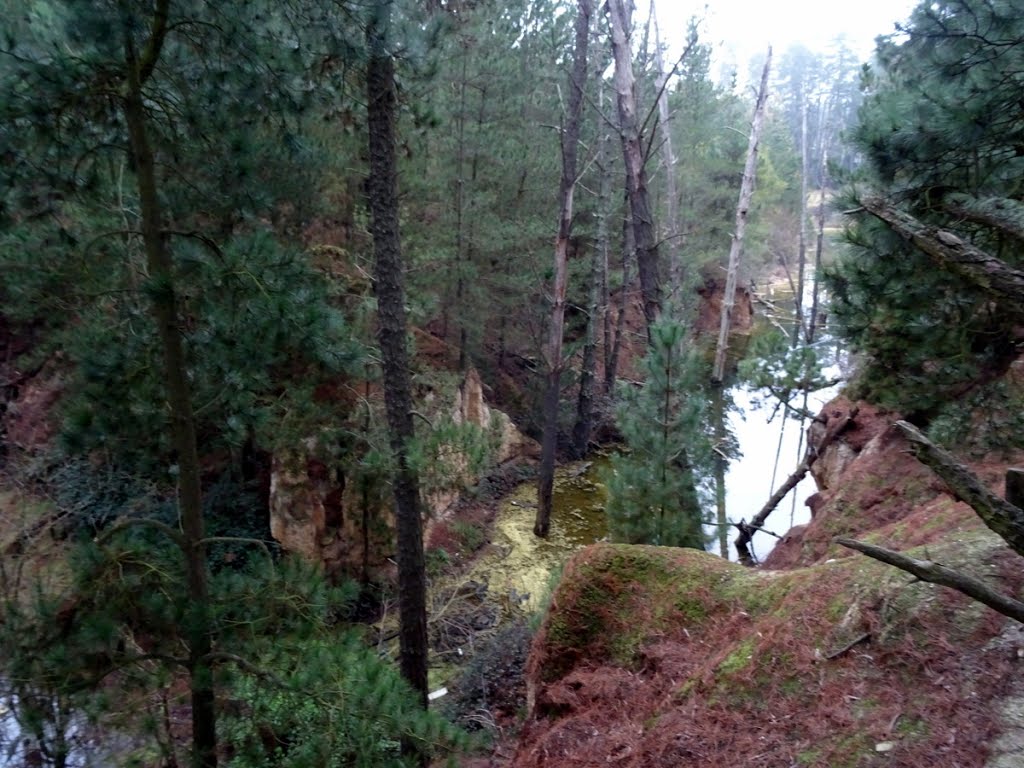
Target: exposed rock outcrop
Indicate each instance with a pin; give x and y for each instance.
(29, 421)
(315, 513)
(471, 408)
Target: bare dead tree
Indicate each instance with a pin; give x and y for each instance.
(742, 209)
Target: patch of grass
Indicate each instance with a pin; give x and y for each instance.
(437, 561)
(739, 659)
(808, 757)
(469, 536)
(911, 728)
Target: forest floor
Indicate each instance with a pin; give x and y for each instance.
(654, 657)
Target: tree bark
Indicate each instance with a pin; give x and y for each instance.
(999, 213)
(628, 253)
(802, 246)
(721, 465)
(179, 397)
(742, 209)
(675, 265)
(1015, 487)
(812, 321)
(570, 146)
(991, 275)
(998, 514)
(597, 310)
(388, 286)
(633, 155)
(936, 573)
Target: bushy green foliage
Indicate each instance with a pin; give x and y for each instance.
(940, 133)
(653, 488)
(774, 365)
(334, 704)
(449, 454)
(237, 182)
(989, 419)
(300, 686)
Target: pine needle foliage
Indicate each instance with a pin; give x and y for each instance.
(298, 683)
(940, 135)
(652, 488)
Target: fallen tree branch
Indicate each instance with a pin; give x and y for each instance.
(747, 530)
(936, 573)
(994, 276)
(999, 515)
(849, 646)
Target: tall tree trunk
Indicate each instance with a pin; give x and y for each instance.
(675, 266)
(619, 13)
(179, 397)
(596, 310)
(460, 212)
(746, 192)
(388, 285)
(628, 254)
(570, 146)
(721, 465)
(812, 322)
(802, 251)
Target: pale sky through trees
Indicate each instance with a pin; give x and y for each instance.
(740, 29)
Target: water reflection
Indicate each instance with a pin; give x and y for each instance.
(773, 446)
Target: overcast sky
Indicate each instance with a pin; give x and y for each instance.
(749, 26)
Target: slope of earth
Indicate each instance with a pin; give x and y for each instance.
(662, 657)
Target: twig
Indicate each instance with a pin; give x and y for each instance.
(849, 646)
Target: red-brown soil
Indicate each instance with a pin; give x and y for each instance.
(655, 657)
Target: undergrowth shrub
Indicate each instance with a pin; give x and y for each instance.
(298, 685)
(493, 681)
(332, 704)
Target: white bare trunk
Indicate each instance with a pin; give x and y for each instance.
(736, 249)
(669, 159)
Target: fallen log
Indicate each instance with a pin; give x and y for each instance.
(999, 515)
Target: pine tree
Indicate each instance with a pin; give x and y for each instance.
(652, 496)
(940, 134)
(383, 203)
(132, 140)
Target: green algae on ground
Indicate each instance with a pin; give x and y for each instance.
(520, 564)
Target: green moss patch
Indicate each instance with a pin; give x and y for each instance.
(816, 666)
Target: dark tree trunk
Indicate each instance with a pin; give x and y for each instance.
(597, 311)
(633, 155)
(611, 370)
(721, 466)
(179, 396)
(802, 248)
(585, 403)
(812, 322)
(570, 145)
(388, 286)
